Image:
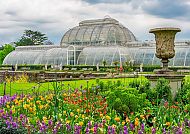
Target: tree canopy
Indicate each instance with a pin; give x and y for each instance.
(7, 48)
(30, 37)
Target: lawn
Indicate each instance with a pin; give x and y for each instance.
(12, 88)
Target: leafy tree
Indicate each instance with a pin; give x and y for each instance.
(7, 48)
(31, 38)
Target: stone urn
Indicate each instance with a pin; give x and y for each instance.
(165, 45)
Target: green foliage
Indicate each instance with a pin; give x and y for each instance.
(142, 84)
(183, 94)
(31, 38)
(163, 90)
(7, 48)
(126, 100)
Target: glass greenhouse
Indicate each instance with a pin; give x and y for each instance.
(93, 42)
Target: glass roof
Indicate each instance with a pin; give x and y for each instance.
(96, 55)
(106, 31)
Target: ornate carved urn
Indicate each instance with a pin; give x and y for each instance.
(165, 44)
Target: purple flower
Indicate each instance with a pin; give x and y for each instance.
(140, 132)
(11, 112)
(125, 130)
(21, 116)
(55, 131)
(14, 124)
(164, 131)
(180, 131)
(87, 130)
(50, 122)
(89, 124)
(68, 127)
(142, 127)
(153, 130)
(109, 129)
(132, 127)
(113, 130)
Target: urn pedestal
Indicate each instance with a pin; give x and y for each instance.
(165, 50)
(164, 46)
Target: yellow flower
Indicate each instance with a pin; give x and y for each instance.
(38, 102)
(83, 116)
(108, 117)
(42, 98)
(78, 110)
(16, 102)
(13, 111)
(8, 106)
(30, 109)
(114, 126)
(64, 94)
(142, 117)
(41, 106)
(71, 114)
(127, 120)
(64, 112)
(46, 106)
(76, 116)
(25, 106)
(81, 123)
(28, 100)
(31, 99)
(45, 118)
(154, 120)
(101, 115)
(123, 123)
(68, 121)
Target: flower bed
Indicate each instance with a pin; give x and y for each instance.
(89, 110)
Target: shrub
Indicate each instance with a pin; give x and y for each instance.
(142, 84)
(183, 94)
(126, 100)
(163, 90)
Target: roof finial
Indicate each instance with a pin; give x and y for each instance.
(107, 17)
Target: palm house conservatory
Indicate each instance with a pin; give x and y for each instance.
(94, 41)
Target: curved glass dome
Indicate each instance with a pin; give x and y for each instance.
(96, 55)
(106, 31)
(146, 55)
(22, 57)
(53, 55)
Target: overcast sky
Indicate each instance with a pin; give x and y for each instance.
(55, 17)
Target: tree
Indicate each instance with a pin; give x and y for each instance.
(7, 48)
(30, 37)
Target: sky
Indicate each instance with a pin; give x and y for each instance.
(55, 17)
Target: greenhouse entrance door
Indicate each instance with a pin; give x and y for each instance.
(71, 55)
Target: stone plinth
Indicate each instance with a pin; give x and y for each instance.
(174, 79)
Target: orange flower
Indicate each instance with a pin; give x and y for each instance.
(136, 121)
(117, 119)
(167, 123)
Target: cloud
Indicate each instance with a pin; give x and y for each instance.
(106, 1)
(55, 17)
(167, 8)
